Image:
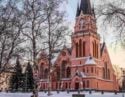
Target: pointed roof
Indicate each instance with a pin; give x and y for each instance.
(85, 7)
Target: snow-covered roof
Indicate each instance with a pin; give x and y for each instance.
(89, 61)
(80, 74)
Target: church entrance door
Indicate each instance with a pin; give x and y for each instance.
(76, 86)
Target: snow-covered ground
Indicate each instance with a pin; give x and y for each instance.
(62, 94)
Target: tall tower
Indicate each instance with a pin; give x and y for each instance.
(85, 40)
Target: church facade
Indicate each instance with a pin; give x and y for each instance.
(86, 65)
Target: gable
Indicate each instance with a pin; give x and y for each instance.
(105, 57)
(64, 55)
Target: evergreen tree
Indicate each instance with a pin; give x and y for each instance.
(16, 79)
(29, 81)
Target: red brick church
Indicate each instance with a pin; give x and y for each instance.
(86, 65)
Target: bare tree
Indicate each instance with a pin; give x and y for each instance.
(38, 23)
(113, 14)
(44, 27)
(33, 17)
(10, 33)
(54, 30)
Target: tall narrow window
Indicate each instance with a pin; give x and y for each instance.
(68, 72)
(80, 48)
(104, 73)
(87, 70)
(83, 84)
(84, 70)
(91, 69)
(46, 73)
(106, 70)
(97, 51)
(66, 85)
(58, 73)
(87, 83)
(41, 71)
(63, 69)
(108, 74)
(83, 49)
(93, 49)
(77, 48)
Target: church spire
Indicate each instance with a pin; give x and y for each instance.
(78, 10)
(85, 7)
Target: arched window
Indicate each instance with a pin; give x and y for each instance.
(68, 72)
(83, 49)
(63, 69)
(77, 49)
(46, 73)
(80, 48)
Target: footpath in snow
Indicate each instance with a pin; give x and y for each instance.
(62, 94)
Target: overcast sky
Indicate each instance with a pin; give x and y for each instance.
(117, 54)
